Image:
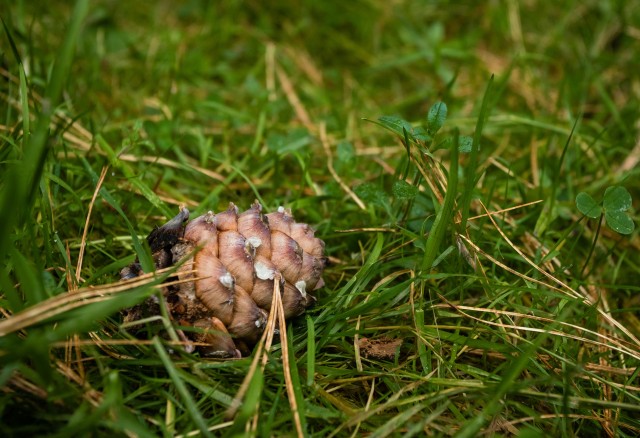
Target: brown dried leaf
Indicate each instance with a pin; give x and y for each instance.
(381, 348)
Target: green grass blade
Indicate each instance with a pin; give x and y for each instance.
(181, 388)
(29, 277)
(135, 180)
(423, 353)
(471, 176)
(142, 251)
(494, 405)
(12, 43)
(398, 422)
(311, 351)
(295, 381)
(548, 211)
(443, 218)
(22, 180)
(24, 101)
(250, 404)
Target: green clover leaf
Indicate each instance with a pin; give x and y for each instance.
(617, 201)
(615, 204)
(588, 206)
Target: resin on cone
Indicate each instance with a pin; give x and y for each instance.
(230, 261)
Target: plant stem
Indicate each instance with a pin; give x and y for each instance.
(593, 246)
(446, 211)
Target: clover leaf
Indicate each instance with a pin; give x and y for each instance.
(615, 204)
(588, 206)
(617, 201)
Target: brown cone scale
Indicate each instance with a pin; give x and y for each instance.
(228, 264)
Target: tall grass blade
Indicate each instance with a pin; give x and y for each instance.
(443, 218)
(471, 177)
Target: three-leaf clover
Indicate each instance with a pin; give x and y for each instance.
(615, 204)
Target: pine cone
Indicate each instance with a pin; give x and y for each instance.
(233, 260)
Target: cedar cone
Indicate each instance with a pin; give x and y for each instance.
(233, 259)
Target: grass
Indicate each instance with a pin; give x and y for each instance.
(517, 315)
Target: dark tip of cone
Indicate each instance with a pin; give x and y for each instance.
(168, 234)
